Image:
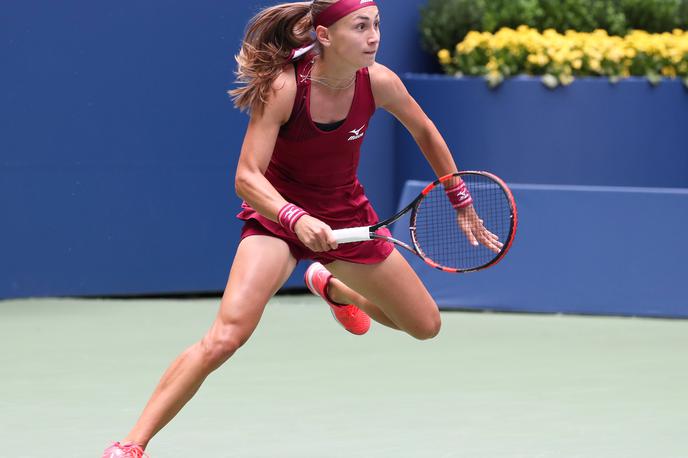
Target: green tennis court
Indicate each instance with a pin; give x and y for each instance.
(78, 371)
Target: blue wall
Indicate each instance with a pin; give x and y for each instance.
(118, 143)
(579, 249)
(118, 146)
(589, 133)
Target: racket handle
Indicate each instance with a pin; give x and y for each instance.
(353, 234)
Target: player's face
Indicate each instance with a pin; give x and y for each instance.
(355, 38)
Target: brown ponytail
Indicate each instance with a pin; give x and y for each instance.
(270, 38)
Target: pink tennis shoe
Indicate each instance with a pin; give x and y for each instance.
(353, 319)
(118, 450)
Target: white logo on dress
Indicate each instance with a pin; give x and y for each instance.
(357, 132)
(366, 1)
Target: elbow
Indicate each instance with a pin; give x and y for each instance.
(241, 183)
(247, 181)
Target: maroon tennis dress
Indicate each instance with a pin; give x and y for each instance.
(316, 170)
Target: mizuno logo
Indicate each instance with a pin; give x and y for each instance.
(357, 133)
(366, 1)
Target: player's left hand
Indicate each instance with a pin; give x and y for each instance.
(472, 227)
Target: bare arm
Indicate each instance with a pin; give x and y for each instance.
(391, 94)
(259, 143)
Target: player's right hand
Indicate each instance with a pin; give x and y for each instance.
(316, 235)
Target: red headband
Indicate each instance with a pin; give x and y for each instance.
(338, 10)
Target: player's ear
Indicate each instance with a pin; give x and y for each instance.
(322, 34)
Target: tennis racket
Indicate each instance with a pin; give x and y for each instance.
(436, 230)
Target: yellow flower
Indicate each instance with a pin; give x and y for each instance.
(566, 54)
(566, 79)
(444, 56)
(615, 55)
(669, 71)
(538, 59)
(492, 65)
(595, 65)
(575, 54)
(550, 33)
(675, 55)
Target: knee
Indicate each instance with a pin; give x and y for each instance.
(218, 347)
(428, 328)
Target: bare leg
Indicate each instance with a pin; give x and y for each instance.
(261, 265)
(342, 294)
(395, 290)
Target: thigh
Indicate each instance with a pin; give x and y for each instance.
(395, 288)
(261, 266)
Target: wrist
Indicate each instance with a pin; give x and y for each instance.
(289, 214)
(458, 195)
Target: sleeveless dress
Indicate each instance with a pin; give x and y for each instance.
(316, 170)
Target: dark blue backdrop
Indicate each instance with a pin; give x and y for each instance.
(118, 143)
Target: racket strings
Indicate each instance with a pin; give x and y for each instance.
(438, 233)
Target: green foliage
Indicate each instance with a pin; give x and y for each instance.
(511, 13)
(582, 16)
(683, 14)
(446, 22)
(651, 15)
(559, 58)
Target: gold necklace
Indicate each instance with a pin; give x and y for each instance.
(325, 82)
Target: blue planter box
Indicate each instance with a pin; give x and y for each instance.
(592, 132)
(578, 249)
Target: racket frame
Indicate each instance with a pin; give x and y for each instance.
(363, 233)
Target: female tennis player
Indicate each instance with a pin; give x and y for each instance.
(311, 84)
